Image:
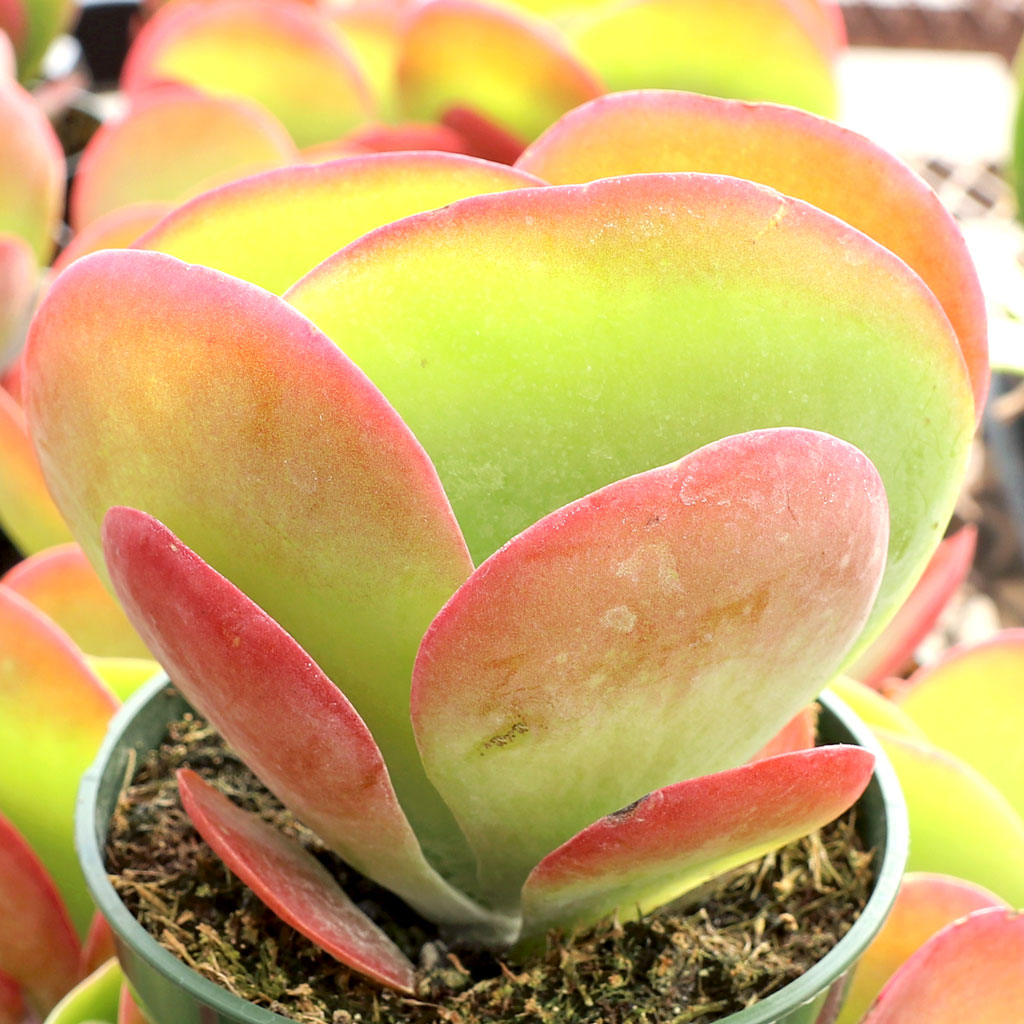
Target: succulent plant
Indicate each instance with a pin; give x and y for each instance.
(496, 75)
(505, 541)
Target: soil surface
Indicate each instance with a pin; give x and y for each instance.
(754, 930)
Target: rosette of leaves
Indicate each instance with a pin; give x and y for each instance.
(503, 542)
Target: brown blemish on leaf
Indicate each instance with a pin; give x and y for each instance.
(748, 609)
(625, 813)
(503, 739)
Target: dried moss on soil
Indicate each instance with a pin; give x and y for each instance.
(755, 930)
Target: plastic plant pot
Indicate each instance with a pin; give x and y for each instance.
(173, 993)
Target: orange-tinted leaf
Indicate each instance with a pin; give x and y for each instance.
(970, 971)
(926, 903)
(60, 582)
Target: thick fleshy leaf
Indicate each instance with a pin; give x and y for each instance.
(894, 648)
(19, 275)
(960, 824)
(392, 138)
(92, 1000)
(123, 676)
(62, 584)
(273, 228)
(43, 21)
(970, 971)
(170, 144)
(31, 171)
(515, 70)
(12, 1003)
(734, 579)
(677, 838)
(292, 474)
(803, 156)
(38, 945)
(53, 714)
(128, 1010)
(743, 49)
(926, 903)
(484, 137)
(27, 513)
(293, 884)
(306, 742)
(873, 709)
(527, 384)
(99, 946)
(797, 734)
(285, 57)
(971, 703)
(372, 31)
(12, 27)
(116, 230)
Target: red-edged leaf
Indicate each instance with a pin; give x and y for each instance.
(32, 170)
(18, 279)
(527, 397)
(293, 884)
(274, 227)
(889, 654)
(115, 230)
(675, 839)
(969, 702)
(171, 143)
(926, 903)
(293, 476)
(27, 513)
(128, 1011)
(287, 58)
(53, 716)
(799, 154)
(38, 945)
(972, 971)
(62, 583)
(273, 705)
(98, 947)
(515, 70)
(12, 1005)
(665, 627)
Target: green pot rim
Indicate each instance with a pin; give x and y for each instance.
(883, 790)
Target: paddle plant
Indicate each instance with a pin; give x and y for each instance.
(503, 542)
(495, 75)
